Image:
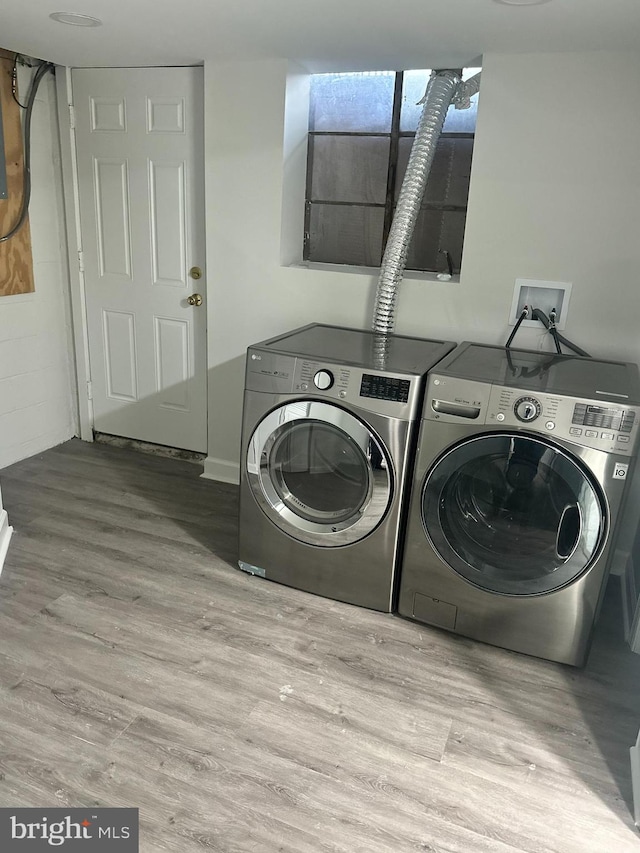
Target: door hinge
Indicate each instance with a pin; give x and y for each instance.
(80, 260)
(72, 117)
(89, 390)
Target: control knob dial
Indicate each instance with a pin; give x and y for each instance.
(323, 380)
(527, 409)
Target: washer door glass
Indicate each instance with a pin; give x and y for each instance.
(513, 514)
(319, 473)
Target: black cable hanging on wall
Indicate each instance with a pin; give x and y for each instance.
(550, 325)
(28, 108)
(523, 315)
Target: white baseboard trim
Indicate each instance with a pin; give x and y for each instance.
(634, 634)
(221, 470)
(629, 598)
(619, 562)
(5, 536)
(635, 779)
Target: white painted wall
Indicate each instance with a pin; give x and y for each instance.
(37, 398)
(555, 195)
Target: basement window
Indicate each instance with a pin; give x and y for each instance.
(361, 128)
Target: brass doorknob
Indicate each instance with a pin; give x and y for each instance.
(195, 299)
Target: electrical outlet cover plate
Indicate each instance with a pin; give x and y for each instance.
(544, 295)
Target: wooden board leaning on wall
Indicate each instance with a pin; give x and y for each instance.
(16, 261)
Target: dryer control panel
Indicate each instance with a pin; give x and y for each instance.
(381, 392)
(612, 427)
(391, 394)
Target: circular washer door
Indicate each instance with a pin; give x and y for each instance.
(319, 473)
(513, 515)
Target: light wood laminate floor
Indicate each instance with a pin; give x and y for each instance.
(139, 667)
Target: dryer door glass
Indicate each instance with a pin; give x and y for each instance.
(319, 473)
(513, 514)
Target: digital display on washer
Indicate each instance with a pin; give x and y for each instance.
(385, 388)
(606, 418)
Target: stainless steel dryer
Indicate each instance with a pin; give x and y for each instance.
(327, 442)
(522, 463)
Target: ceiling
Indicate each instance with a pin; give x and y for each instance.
(321, 35)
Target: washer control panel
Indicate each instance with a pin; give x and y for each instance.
(605, 426)
(583, 422)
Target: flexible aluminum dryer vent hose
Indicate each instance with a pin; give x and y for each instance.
(443, 88)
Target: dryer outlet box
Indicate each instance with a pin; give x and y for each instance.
(545, 295)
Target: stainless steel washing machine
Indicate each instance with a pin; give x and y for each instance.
(522, 465)
(327, 439)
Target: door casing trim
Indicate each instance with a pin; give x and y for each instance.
(66, 130)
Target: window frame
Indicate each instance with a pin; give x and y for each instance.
(395, 134)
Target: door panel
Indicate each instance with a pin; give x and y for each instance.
(119, 347)
(139, 136)
(107, 114)
(172, 362)
(168, 218)
(113, 225)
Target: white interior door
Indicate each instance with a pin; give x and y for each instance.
(139, 138)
